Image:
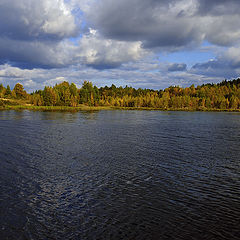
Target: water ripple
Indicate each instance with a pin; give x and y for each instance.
(119, 175)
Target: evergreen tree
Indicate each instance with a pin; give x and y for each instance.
(8, 92)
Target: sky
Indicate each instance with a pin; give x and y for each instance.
(149, 44)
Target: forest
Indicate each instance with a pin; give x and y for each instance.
(221, 96)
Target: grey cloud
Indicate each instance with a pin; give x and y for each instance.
(34, 34)
(209, 69)
(138, 75)
(33, 54)
(171, 25)
(36, 20)
(177, 67)
(223, 30)
(222, 67)
(155, 23)
(213, 68)
(101, 53)
(91, 50)
(218, 7)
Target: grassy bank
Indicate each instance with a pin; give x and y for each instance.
(19, 104)
(98, 108)
(53, 108)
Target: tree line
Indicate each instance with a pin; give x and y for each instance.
(224, 95)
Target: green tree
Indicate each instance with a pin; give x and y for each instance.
(8, 92)
(234, 101)
(49, 96)
(2, 90)
(73, 89)
(19, 91)
(165, 100)
(87, 93)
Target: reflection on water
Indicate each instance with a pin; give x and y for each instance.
(119, 175)
(47, 115)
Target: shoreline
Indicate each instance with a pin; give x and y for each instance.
(99, 108)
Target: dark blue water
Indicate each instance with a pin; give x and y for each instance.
(119, 175)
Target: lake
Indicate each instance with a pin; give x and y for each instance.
(119, 175)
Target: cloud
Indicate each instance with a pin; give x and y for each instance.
(223, 30)
(91, 50)
(147, 73)
(36, 34)
(218, 7)
(177, 67)
(214, 68)
(171, 25)
(155, 23)
(34, 20)
(32, 54)
(7, 71)
(101, 53)
(226, 65)
(233, 56)
(117, 41)
(84, 5)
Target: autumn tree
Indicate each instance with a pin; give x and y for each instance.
(19, 91)
(2, 90)
(8, 92)
(49, 96)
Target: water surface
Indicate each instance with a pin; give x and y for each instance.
(119, 175)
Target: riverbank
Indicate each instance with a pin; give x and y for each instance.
(54, 108)
(98, 108)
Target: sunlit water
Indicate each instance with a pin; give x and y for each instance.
(119, 175)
